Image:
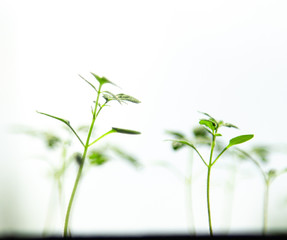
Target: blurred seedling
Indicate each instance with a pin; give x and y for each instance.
(211, 125)
(88, 143)
(200, 137)
(97, 157)
(262, 157)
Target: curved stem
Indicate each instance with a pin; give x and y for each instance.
(66, 227)
(265, 210)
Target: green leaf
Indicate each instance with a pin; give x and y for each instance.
(206, 114)
(66, 122)
(111, 96)
(229, 125)
(175, 134)
(208, 123)
(199, 132)
(262, 152)
(102, 80)
(177, 145)
(271, 173)
(60, 119)
(183, 141)
(97, 158)
(126, 156)
(89, 83)
(125, 131)
(239, 140)
(218, 135)
(52, 141)
(125, 97)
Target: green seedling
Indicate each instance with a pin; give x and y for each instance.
(200, 137)
(54, 143)
(108, 97)
(211, 125)
(262, 153)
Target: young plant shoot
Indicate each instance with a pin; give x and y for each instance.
(212, 126)
(108, 97)
(200, 137)
(262, 153)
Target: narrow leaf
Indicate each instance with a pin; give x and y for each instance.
(239, 140)
(66, 122)
(206, 114)
(177, 145)
(229, 125)
(126, 156)
(111, 97)
(102, 80)
(89, 83)
(125, 97)
(125, 131)
(208, 123)
(183, 141)
(175, 134)
(60, 119)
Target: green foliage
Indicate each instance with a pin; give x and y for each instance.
(126, 156)
(125, 131)
(262, 152)
(127, 98)
(95, 157)
(210, 125)
(102, 80)
(239, 140)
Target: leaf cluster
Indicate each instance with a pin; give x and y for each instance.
(207, 125)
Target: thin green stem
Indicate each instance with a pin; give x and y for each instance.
(208, 202)
(188, 187)
(66, 227)
(219, 156)
(200, 156)
(266, 200)
(107, 133)
(76, 134)
(105, 104)
(208, 184)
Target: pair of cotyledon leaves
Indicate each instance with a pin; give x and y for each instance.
(211, 125)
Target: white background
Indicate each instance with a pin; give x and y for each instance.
(227, 58)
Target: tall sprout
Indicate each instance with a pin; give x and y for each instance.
(212, 126)
(98, 106)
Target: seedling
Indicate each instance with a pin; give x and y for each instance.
(53, 142)
(200, 137)
(212, 126)
(262, 153)
(108, 97)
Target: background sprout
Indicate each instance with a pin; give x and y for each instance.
(211, 125)
(260, 155)
(88, 143)
(58, 169)
(200, 137)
